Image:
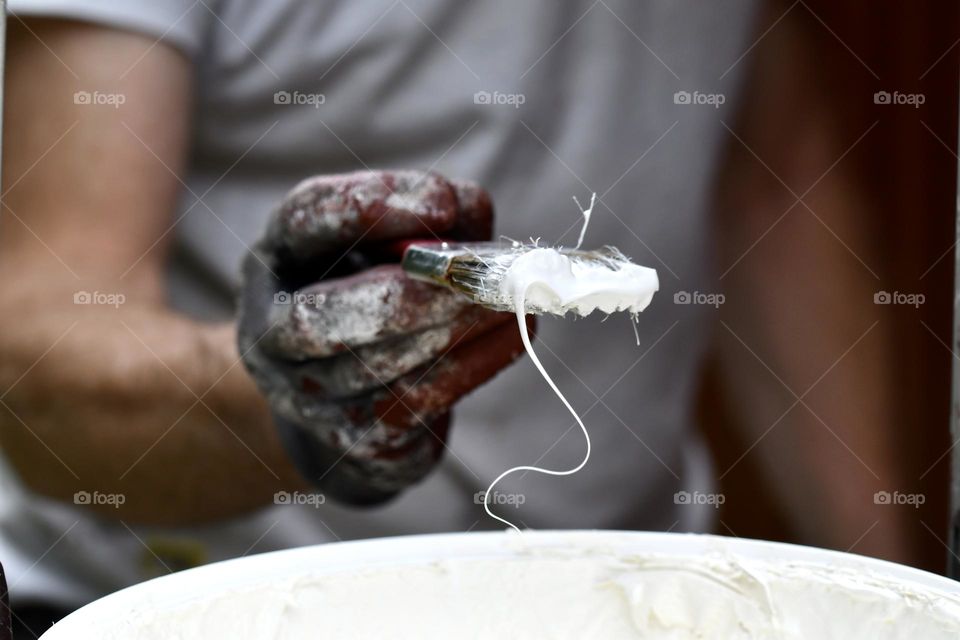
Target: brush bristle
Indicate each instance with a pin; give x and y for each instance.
(480, 276)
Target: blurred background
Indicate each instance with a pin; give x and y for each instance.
(908, 166)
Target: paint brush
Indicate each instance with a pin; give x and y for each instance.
(480, 272)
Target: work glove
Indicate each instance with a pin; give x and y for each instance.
(361, 364)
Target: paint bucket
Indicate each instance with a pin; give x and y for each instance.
(576, 584)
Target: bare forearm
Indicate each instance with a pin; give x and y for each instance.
(139, 401)
(132, 399)
(804, 355)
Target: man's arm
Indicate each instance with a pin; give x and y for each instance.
(96, 397)
(799, 319)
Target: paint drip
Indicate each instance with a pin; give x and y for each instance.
(549, 281)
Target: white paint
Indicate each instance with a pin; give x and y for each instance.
(561, 585)
(586, 216)
(546, 280)
(551, 281)
(524, 334)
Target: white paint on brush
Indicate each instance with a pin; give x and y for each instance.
(553, 282)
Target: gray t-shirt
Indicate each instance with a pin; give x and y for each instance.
(537, 100)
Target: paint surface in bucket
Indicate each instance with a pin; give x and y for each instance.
(493, 586)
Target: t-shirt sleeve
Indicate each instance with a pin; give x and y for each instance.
(180, 23)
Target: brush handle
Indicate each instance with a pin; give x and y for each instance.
(431, 262)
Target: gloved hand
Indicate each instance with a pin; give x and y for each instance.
(360, 363)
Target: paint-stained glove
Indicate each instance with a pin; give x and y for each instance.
(360, 363)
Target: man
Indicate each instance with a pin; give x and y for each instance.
(151, 149)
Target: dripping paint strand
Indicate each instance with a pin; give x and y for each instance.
(525, 335)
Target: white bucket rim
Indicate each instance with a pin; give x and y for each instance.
(174, 590)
